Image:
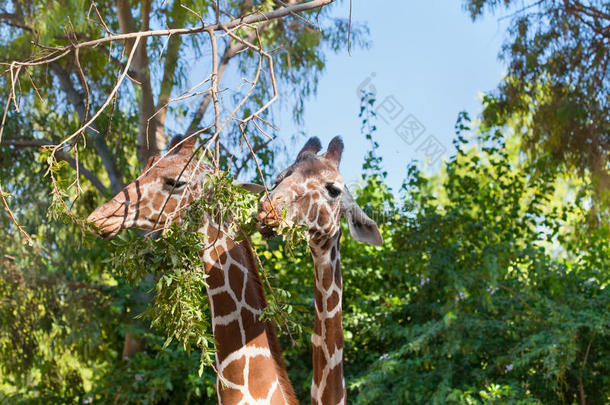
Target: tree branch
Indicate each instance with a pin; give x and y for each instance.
(37, 143)
(148, 122)
(99, 142)
(233, 50)
(245, 160)
(152, 146)
(223, 26)
(14, 21)
(230, 52)
(169, 68)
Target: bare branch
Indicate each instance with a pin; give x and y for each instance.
(253, 152)
(214, 94)
(246, 20)
(230, 52)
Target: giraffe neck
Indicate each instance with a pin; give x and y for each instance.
(328, 385)
(248, 357)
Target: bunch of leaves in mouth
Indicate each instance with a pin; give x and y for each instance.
(172, 261)
(292, 233)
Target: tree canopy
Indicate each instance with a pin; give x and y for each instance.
(558, 58)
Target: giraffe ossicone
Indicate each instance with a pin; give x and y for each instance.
(313, 193)
(248, 355)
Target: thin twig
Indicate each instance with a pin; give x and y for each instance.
(214, 93)
(349, 30)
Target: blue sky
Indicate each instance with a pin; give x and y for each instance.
(427, 62)
(430, 62)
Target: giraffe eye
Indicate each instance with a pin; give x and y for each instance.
(333, 190)
(174, 183)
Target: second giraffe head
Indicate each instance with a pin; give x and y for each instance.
(312, 192)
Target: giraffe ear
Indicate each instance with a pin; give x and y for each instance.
(182, 145)
(335, 150)
(361, 227)
(251, 187)
(313, 145)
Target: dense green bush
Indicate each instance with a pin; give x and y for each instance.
(489, 288)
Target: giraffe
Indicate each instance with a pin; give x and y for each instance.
(248, 356)
(312, 192)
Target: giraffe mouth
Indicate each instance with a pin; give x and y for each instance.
(109, 234)
(268, 220)
(106, 231)
(105, 227)
(267, 231)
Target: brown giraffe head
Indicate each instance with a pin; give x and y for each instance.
(312, 192)
(166, 186)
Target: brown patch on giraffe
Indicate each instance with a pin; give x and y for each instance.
(251, 299)
(334, 332)
(327, 276)
(253, 327)
(171, 205)
(236, 280)
(317, 371)
(145, 212)
(157, 202)
(228, 339)
(218, 255)
(215, 277)
(230, 396)
(331, 394)
(223, 257)
(323, 216)
(319, 300)
(223, 304)
(213, 235)
(234, 372)
(333, 301)
(259, 383)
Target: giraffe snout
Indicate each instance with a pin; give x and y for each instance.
(108, 218)
(270, 212)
